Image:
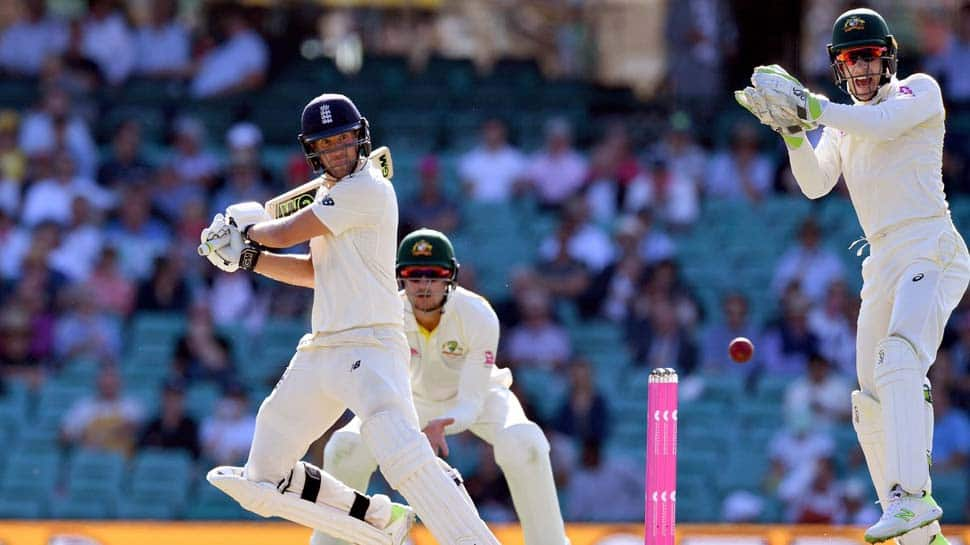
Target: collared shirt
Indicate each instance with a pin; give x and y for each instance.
(455, 363)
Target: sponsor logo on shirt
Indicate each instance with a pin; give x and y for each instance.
(489, 358)
(905, 91)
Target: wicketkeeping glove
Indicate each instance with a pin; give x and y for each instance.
(783, 90)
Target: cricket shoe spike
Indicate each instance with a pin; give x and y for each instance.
(905, 512)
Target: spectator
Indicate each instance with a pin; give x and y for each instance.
(736, 322)
(831, 323)
(585, 241)
(951, 436)
(808, 263)
(949, 65)
(228, 431)
(53, 129)
(106, 420)
(611, 290)
(562, 275)
(172, 428)
(856, 509)
(490, 490)
(523, 280)
(672, 196)
(815, 500)
(113, 293)
(27, 43)
(583, 414)
(820, 393)
(659, 340)
(162, 44)
(237, 64)
(787, 346)
(538, 341)
(173, 196)
(82, 241)
(612, 169)
(51, 199)
(958, 375)
(195, 165)
(795, 449)
(126, 166)
(16, 360)
(83, 331)
(681, 152)
(107, 40)
(701, 39)
(244, 182)
(743, 173)
(558, 171)
(601, 477)
(202, 353)
(431, 208)
(137, 236)
(166, 290)
(13, 163)
(493, 170)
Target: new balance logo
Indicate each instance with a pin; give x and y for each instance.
(355, 365)
(906, 515)
(918, 277)
(327, 201)
(325, 116)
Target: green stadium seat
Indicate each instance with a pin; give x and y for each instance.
(145, 509)
(96, 475)
(16, 507)
(80, 507)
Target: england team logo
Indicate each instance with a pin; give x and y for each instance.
(325, 117)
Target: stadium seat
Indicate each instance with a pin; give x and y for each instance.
(145, 509)
(80, 507)
(96, 475)
(16, 507)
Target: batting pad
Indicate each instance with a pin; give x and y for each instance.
(265, 500)
(410, 466)
(867, 421)
(899, 385)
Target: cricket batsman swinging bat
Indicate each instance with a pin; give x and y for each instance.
(299, 197)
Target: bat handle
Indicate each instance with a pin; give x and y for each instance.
(205, 249)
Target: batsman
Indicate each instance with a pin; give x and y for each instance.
(355, 355)
(453, 335)
(888, 147)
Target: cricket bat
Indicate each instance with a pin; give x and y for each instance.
(300, 197)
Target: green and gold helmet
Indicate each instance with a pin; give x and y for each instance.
(861, 33)
(430, 249)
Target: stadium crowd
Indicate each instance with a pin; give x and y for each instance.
(100, 215)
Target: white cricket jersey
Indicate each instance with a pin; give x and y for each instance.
(889, 150)
(353, 265)
(455, 363)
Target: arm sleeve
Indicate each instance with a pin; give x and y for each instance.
(474, 383)
(355, 203)
(817, 170)
(920, 99)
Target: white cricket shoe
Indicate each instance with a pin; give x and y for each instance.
(904, 513)
(402, 518)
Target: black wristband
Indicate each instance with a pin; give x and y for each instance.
(249, 257)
